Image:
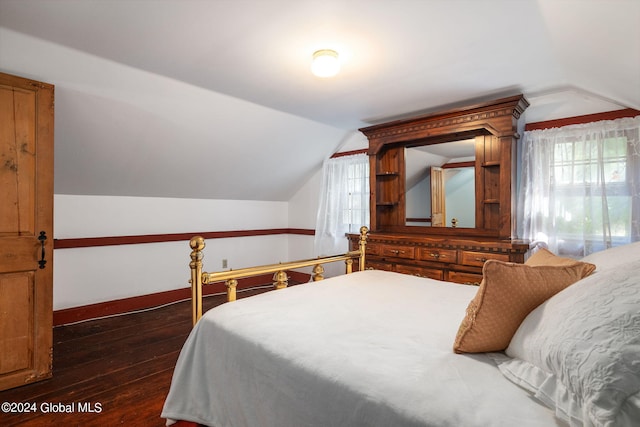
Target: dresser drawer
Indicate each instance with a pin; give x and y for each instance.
(465, 278)
(371, 249)
(397, 251)
(478, 258)
(377, 265)
(439, 255)
(431, 273)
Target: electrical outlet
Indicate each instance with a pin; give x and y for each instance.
(224, 263)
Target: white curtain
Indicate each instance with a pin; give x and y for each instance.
(580, 186)
(344, 203)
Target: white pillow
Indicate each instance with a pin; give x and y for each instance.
(579, 352)
(614, 257)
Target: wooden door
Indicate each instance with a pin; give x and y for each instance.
(437, 197)
(26, 230)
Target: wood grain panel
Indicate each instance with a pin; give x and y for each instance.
(17, 142)
(16, 322)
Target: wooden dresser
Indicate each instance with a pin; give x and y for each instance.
(454, 260)
(442, 250)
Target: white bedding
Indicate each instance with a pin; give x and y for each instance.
(372, 348)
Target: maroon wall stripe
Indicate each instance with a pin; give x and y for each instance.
(86, 242)
(458, 165)
(578, 120)
(350, 153)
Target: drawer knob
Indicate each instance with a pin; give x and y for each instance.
(435, 255)
(481, 259)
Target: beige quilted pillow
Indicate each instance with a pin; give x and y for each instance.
(507, 294)
(546, 257)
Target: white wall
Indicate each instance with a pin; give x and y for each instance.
(353, 141)
(91, 275)
(303, 206)
(303, 209)
(97, 274)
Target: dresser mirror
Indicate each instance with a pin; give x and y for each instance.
(468, 150)
(440, 184)
(405, 153)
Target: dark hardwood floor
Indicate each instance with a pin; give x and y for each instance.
(120, 368)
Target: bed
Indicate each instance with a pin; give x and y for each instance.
(376, 348)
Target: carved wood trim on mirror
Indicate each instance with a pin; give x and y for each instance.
(493, 125)
(444, 252)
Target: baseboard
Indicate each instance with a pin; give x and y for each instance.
(142, 302)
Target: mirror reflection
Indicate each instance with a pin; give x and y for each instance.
(440, 184)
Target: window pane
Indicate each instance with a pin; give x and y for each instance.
(590, 161)
(578, 215)
(356, 210)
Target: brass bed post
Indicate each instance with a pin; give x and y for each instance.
(197, 245)
(318, 271)
(280, 279)
(231, 289)
(362, 245)
(348, 265)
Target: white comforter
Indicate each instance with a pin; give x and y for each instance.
(372, 348)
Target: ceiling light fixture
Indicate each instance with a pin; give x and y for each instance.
(325, 63)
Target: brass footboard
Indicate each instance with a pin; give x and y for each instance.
(199, 278)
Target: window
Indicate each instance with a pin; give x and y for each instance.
(592, 195)
(344, 202)
(356, 210)
(579, 191)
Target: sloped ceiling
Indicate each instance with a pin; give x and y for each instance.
(214, 98)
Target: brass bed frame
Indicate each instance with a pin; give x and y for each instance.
(230, 277)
